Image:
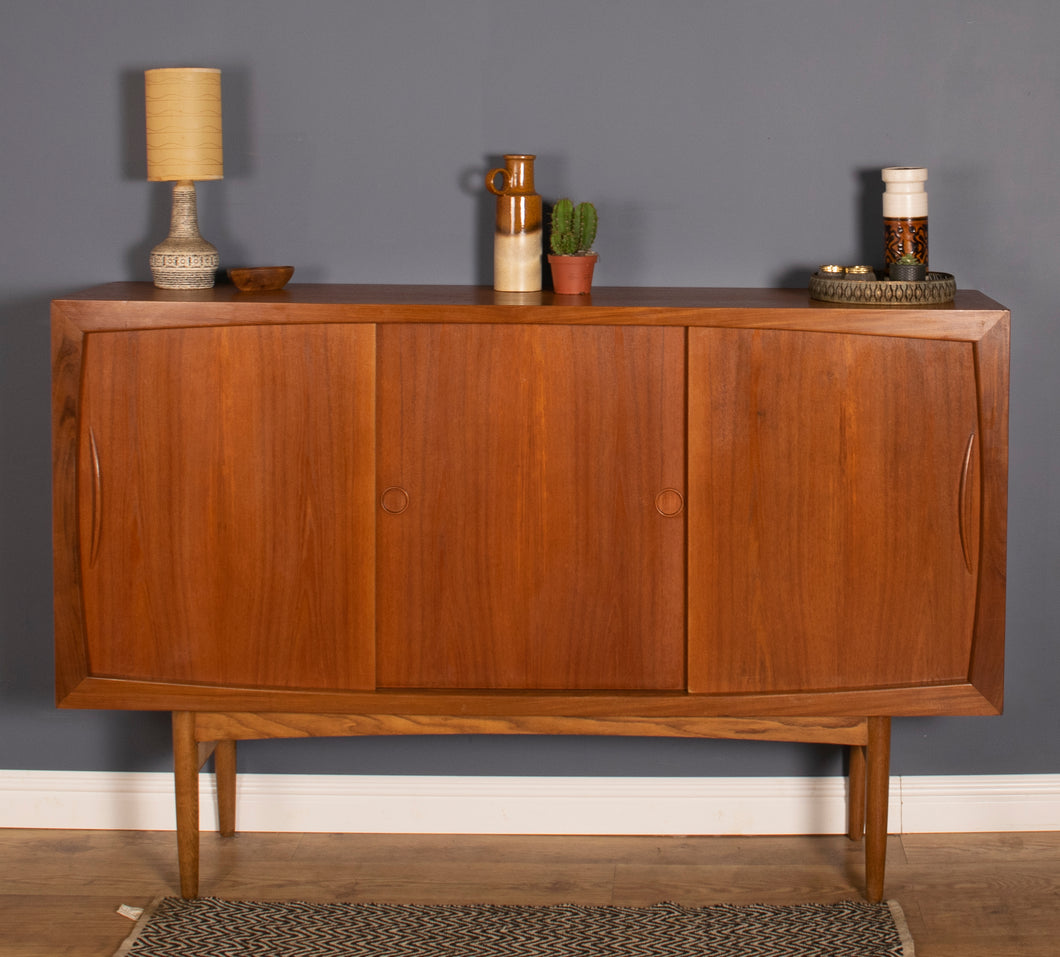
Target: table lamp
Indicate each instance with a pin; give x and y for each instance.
(183, 145)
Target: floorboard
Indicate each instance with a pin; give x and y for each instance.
(973, 895)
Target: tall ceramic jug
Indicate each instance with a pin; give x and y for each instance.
(517, 237)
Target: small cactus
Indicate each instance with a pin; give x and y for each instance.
(573, 228)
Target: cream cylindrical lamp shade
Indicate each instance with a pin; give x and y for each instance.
(183, 111)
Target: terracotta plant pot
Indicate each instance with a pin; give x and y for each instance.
(572, 275)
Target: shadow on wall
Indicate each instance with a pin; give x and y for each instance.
(869, 218)
(26, 661)
(471, 181)
(539, 756)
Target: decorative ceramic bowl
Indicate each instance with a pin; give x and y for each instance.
(261, 278)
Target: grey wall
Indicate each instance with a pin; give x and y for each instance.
(725, 142)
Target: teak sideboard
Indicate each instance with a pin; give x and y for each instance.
(373, 510)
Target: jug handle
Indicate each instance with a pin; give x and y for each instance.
(491, 185)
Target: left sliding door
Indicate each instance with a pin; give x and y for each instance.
(225, 502)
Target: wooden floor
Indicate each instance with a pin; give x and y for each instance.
(972, 895)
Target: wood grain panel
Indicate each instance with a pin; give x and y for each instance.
(531, 553)
(229, 726)
(830, 486)
(987, 670)
(71, 665)
(117, 305)
(568, 708)
(226, 493)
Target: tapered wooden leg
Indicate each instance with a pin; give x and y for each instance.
(856, 793)
(224, 766)
(186, 786)
(878, 787)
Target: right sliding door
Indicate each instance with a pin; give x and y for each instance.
(833, 511)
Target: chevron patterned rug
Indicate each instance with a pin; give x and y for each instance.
(210, 927)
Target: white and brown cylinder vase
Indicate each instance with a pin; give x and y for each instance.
(905, 214)
(517, 238)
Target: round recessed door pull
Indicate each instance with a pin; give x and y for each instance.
(669, 502)
(394, 500)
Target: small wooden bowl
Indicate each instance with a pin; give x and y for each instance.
(261, 278)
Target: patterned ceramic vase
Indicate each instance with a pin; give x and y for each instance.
(517, 238)
(905, 214)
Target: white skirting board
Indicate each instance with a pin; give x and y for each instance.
(528, 805)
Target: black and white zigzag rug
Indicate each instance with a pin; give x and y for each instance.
(209, 927)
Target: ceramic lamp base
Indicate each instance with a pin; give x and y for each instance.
(184, 260)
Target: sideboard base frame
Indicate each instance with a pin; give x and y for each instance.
(198, 734)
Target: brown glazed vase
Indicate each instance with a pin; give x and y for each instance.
(517, 238)
(905, 214)
(572, 275)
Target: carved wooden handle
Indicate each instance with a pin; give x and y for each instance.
(97, 498)
(964, 504)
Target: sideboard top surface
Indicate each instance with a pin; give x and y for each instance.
(139, 304)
